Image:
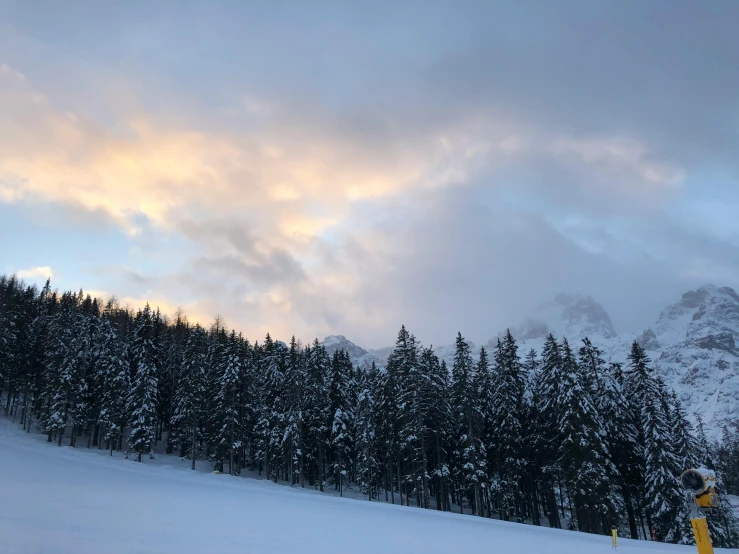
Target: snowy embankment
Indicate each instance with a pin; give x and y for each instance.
(734, 501)
(76, 501)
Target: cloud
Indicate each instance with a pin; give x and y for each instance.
(148, 167)
(36, 273)
(450, 176)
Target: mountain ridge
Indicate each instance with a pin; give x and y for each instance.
(694, 345)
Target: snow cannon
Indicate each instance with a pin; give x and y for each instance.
(700, 483)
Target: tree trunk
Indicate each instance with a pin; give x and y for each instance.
(231, 453)
(322, 464)
(630, 512)
(194, 445)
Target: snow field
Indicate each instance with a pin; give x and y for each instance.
(72, 501)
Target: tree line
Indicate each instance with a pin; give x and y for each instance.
(560, 437)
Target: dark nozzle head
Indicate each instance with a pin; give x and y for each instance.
(693, 481)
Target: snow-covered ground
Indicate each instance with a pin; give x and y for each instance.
(79, 501)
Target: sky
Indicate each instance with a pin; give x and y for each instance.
(345, 167)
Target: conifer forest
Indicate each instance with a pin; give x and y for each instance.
(558, 438)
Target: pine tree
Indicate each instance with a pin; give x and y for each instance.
(342, 424)
(369, 465)
(548, 394)
(639, 388)
(469, 452)
(485, 413)
(189, 411)
(142, 399)
(172, 361)
(683, 436)
(318, 367)
(622, 441)
(393, 412)
(274, 416)
(533, 441)
(509, 386)
(416, 399)
(666, 500)
(115, 387)
(228, 399)
(63, 370)
(295, 432)
(583, 453)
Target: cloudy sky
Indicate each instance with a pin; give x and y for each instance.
(323, 167)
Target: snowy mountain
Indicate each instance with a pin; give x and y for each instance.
(694, 345)
(334, 343)
(568, 315)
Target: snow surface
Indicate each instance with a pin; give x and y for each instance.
(80, 501)
(734, 501)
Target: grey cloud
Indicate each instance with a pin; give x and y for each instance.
(479, 256)
(458, 266)
(241, 259)
(275, 268)
(662, 71)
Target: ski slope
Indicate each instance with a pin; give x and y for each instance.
(79, 501)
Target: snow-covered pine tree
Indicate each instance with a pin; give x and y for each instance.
(318, 417)
(295, 398)
(639, 386)
(369, 468)
(393, 411)
(87, 393)
(469, 452)
(583, 454)
(532, 442)
(622, 441)
(62, 369)
(666, 499)
(684, 440)
(274, 418)
(18, 311)
(189, 413)
(143, 396)
(416, 399)
(216, 353)
(509, 387)
(11, 336)
(228, 399)
(115, 386)
(484, 387)
(549, 399)
(342, 422)
(173, 347)
(441, 428)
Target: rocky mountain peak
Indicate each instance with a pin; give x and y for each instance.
(333, 343)
(568, 315)
(707, 318)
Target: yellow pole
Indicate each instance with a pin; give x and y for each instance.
(614, 537)
(702, 539)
